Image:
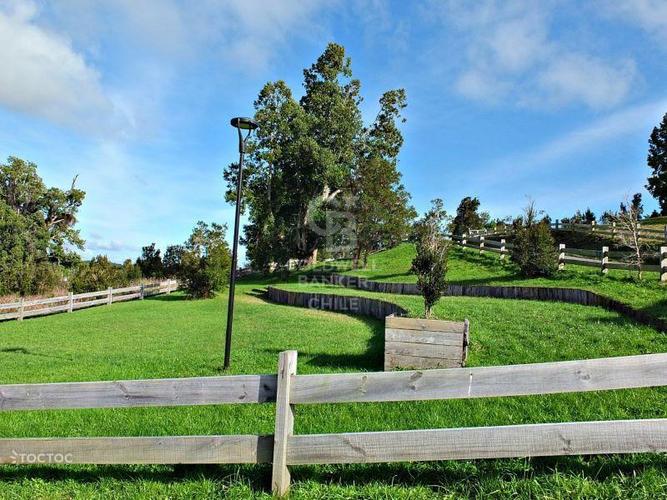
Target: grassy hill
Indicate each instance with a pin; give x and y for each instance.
(172, 337)
(467, 266)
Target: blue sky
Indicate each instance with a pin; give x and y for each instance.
(506, 99)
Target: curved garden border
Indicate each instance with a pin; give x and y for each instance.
(569, 295)
(367, 306)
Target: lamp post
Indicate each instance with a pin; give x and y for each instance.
(240, 124)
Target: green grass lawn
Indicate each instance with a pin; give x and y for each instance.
(467, 266)
(172, 337)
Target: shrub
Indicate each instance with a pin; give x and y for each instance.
(98, 274)
(534, 249)
(205, 261)
(150, 262)
(430, 263)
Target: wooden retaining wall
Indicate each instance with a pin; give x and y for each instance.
(367, 306)
(569, 295)
(422, 344)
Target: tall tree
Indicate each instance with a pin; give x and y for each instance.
(380, 203)
(657, 161)
(468, 216)
(150, 262)
(37, 226)
(305, 156)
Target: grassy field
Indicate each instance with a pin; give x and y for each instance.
(467, 266)
(172, 337)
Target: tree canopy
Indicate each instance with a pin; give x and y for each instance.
(657, 161)
(37, 228)
(312, 154)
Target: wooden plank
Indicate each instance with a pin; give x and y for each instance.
(45, 311)
(430, 325)
(131, 296)
(423, 337)
(126, 290)
(135, 393)
(89, 295)
(453, 352)
(280, 477)
(233, 449)
(535, 440)
(90, 303)
(13, 315)
(392, 360)
(52, 300)
(648, 370)
(10, 305)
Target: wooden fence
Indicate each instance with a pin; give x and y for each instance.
(581, 257)
(288, 389)
(73, 302)
(648, 234)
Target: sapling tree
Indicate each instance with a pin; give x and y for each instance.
(430, 263)
(534, 249)
(628, 222)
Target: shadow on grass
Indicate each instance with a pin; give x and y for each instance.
(446, 476)
(172, 297)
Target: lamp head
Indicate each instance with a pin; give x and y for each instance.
(244, 123)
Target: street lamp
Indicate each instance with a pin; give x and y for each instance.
(240, 124)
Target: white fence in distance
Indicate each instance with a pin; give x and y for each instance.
(73, 302)
(581, 257)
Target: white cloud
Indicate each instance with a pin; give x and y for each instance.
(634, 119)
(43, 75)
(587, 79)
(510, 53)
(650, 15)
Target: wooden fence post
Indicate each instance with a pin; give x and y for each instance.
(556, 224)
(168, 287)
(70, 302)
(665, 232)
(613, 229)
(141, 292)
(110, 296)
(21, 309)
(561, 256)
(605, 260)
(663, 264)
(592, 226)
(502, 249)
(280, 478)
(481, 244)
(464, 239)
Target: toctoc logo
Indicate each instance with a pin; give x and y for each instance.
(41, 458)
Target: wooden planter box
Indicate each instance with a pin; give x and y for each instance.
(422, 344)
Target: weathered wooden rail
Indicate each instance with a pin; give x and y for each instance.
(287, 389)
(73, 302)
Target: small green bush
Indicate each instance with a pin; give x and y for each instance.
(430, 263)
(205, 261)
(534, 250)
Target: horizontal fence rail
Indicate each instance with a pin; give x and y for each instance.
(72, 302)
(288, 389)
(578, 256)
